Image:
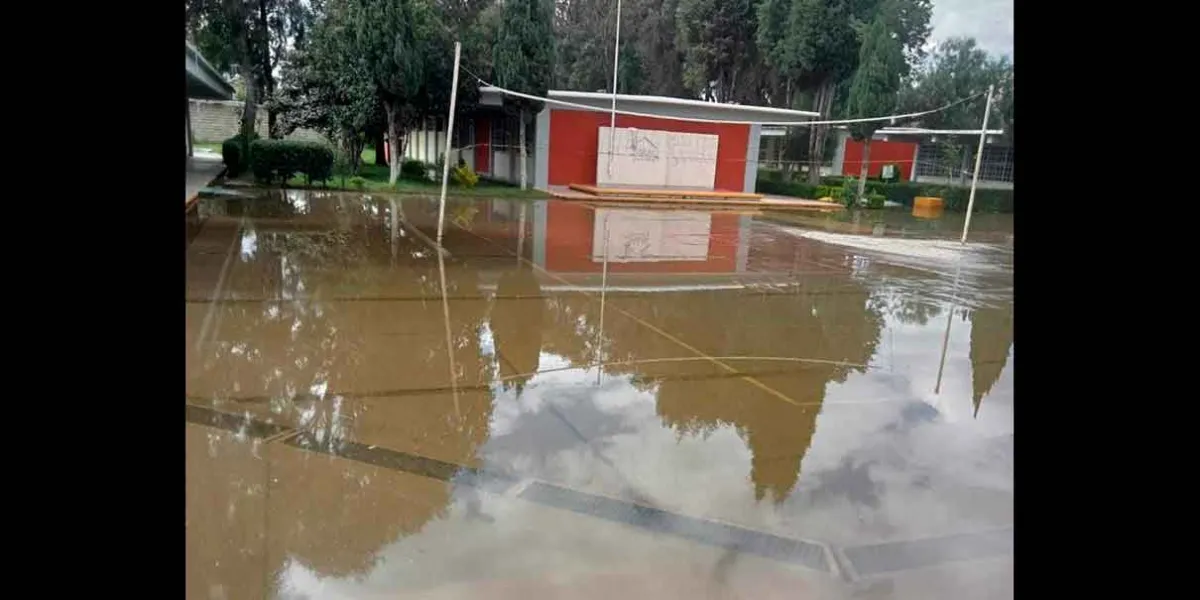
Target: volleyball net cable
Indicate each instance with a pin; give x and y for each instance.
(576, 105)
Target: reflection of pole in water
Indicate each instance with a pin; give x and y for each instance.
(521, 234)
(395, 230)
(945, 342)
(449, 340)
(949, 319)
(603, 293)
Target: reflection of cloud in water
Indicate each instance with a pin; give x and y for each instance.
(933, 468)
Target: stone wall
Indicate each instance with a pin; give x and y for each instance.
(219, 120)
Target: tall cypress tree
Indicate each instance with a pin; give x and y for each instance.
(523, 59)
(875, 83)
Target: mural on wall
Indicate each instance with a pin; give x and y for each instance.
(651, 236)
(648, 157)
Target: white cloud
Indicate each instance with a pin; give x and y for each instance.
(990, 22)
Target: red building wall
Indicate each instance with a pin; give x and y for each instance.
(575, 138)
(570, 227)
(483, 145)
(882, 153)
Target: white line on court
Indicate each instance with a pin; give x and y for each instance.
(206, 325)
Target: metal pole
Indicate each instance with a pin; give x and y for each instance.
(449, 139)
(521, 234)
(612, 118)
(603, 293)
(987, 109)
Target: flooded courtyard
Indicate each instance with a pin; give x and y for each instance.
(568, 400)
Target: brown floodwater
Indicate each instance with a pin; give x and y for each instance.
(584, 401)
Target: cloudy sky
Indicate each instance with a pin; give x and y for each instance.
(990, 22)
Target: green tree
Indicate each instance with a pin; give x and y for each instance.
(956, 69)
(584, 32)
(382, 37)
(324, 87)
(523, 60)
(874, 86)
(223, 31)
(248, 38)
(717, 41)
(652, 25)
(813, 46)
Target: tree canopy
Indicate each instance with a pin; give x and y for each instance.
(334, 65)
(877, 78)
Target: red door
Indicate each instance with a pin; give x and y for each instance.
(483, 146)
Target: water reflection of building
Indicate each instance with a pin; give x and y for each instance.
(697, 292)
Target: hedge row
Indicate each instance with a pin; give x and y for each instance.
(986, 200)
(233, 154)
(272, 160)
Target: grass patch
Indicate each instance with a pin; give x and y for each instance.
(214, 147)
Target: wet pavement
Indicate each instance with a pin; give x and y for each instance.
(201, 169)
(583, 401)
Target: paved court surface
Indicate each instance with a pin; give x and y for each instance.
(704, 405)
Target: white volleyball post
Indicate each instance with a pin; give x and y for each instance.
(449, 145)
(612, 118)
(987, 109)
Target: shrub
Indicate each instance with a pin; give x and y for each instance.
(318, 162)
(875, 200)
(770, 174)
(464, 176)
(828, 191)
(850, 191)
(414, 170)
(787, 188)
(986, 200)
(235, 154)
(901, 192)
(281, 159)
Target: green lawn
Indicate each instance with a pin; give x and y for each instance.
(210, 146)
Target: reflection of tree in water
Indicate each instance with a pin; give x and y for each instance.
(806, 325)
(991, 338)
(310, 357)
(697, 397)
(516, 323)
(909, 298)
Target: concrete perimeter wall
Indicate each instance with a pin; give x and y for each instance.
(219, 120)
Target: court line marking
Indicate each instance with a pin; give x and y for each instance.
(515, 487)
(220, 287)
(399, 216)
(748, 379)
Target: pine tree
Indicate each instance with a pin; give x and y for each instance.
(875, 84)
(523, 60)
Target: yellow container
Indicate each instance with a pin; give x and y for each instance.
(927, 212)
(927, 202)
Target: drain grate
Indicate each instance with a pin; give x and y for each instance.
(656, 520)
(898, 556)
(255, 428)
